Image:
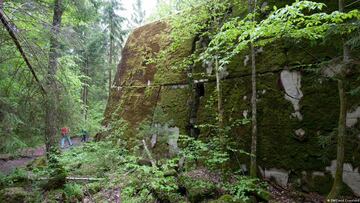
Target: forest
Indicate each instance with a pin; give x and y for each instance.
(179, 101)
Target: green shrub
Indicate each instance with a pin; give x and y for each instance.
(94, 187)
(16, 177)
(73, 191)
(94, 158)
(148, 183)
(3, 180)
(197, 189)
(244, 188)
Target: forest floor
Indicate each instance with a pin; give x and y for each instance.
(23, 157)
(8, 163)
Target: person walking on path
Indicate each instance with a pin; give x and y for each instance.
(65, 136)
(84, 135)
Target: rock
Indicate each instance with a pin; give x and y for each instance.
(280, 176)
(300, 134)
(197, 189)
(144, 162)
(291, 82)
(351, 176)
(153, 140)
(171, 172)
(224, 199)
(352, 117)
(6, 157)
(14, 195)
(172, 140)
(311, 105)
(39, 162)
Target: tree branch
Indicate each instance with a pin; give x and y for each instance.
(18, 46)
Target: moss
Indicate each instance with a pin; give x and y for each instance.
(276, 127)
(321, 184)
(57, 171)
(95, 187)
(173, 102)
(73, 192)
(197, 189)
(53, 196)
(224, 199)
(39, 162)
(14, 195)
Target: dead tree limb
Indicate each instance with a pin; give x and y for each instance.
(153, 163)
(6, 24)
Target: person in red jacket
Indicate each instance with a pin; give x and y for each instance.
(65, 136)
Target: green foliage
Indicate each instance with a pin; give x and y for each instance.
(55, 171)
(140, 183)
(73, 191)
(14, 195)
(187, 26)
(245, 187)
(212, 153)
(198, 189)
(301, 20)
(11, 144)
(94, 158)
(3, 180)
(94, 187)
(148, 183)
(15, 178)
(114, 23)
(83, 52)
(117, 129)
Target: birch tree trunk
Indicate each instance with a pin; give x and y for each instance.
(219, 94)
(253, 164)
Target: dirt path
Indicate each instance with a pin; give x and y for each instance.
(9, 163)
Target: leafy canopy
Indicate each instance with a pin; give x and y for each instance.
(301, 20)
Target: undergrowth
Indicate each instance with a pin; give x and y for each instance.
(141, 182)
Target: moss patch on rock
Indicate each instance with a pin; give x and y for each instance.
(197, 189)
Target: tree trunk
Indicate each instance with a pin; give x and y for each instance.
(338, 179)
(111, 51)
(85, 88)
(219, 95)
(253, 164)
(51, 100)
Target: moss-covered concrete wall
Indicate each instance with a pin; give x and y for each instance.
(303, 148)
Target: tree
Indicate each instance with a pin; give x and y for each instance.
(12, 33)
(51, 100)
(219, 95)
(338, 179)
(116, 34)
(138, 15)
(82, 44)
(253, 165)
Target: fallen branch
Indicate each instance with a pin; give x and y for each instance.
(81, 178)
(74, 178)
(153, 163)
